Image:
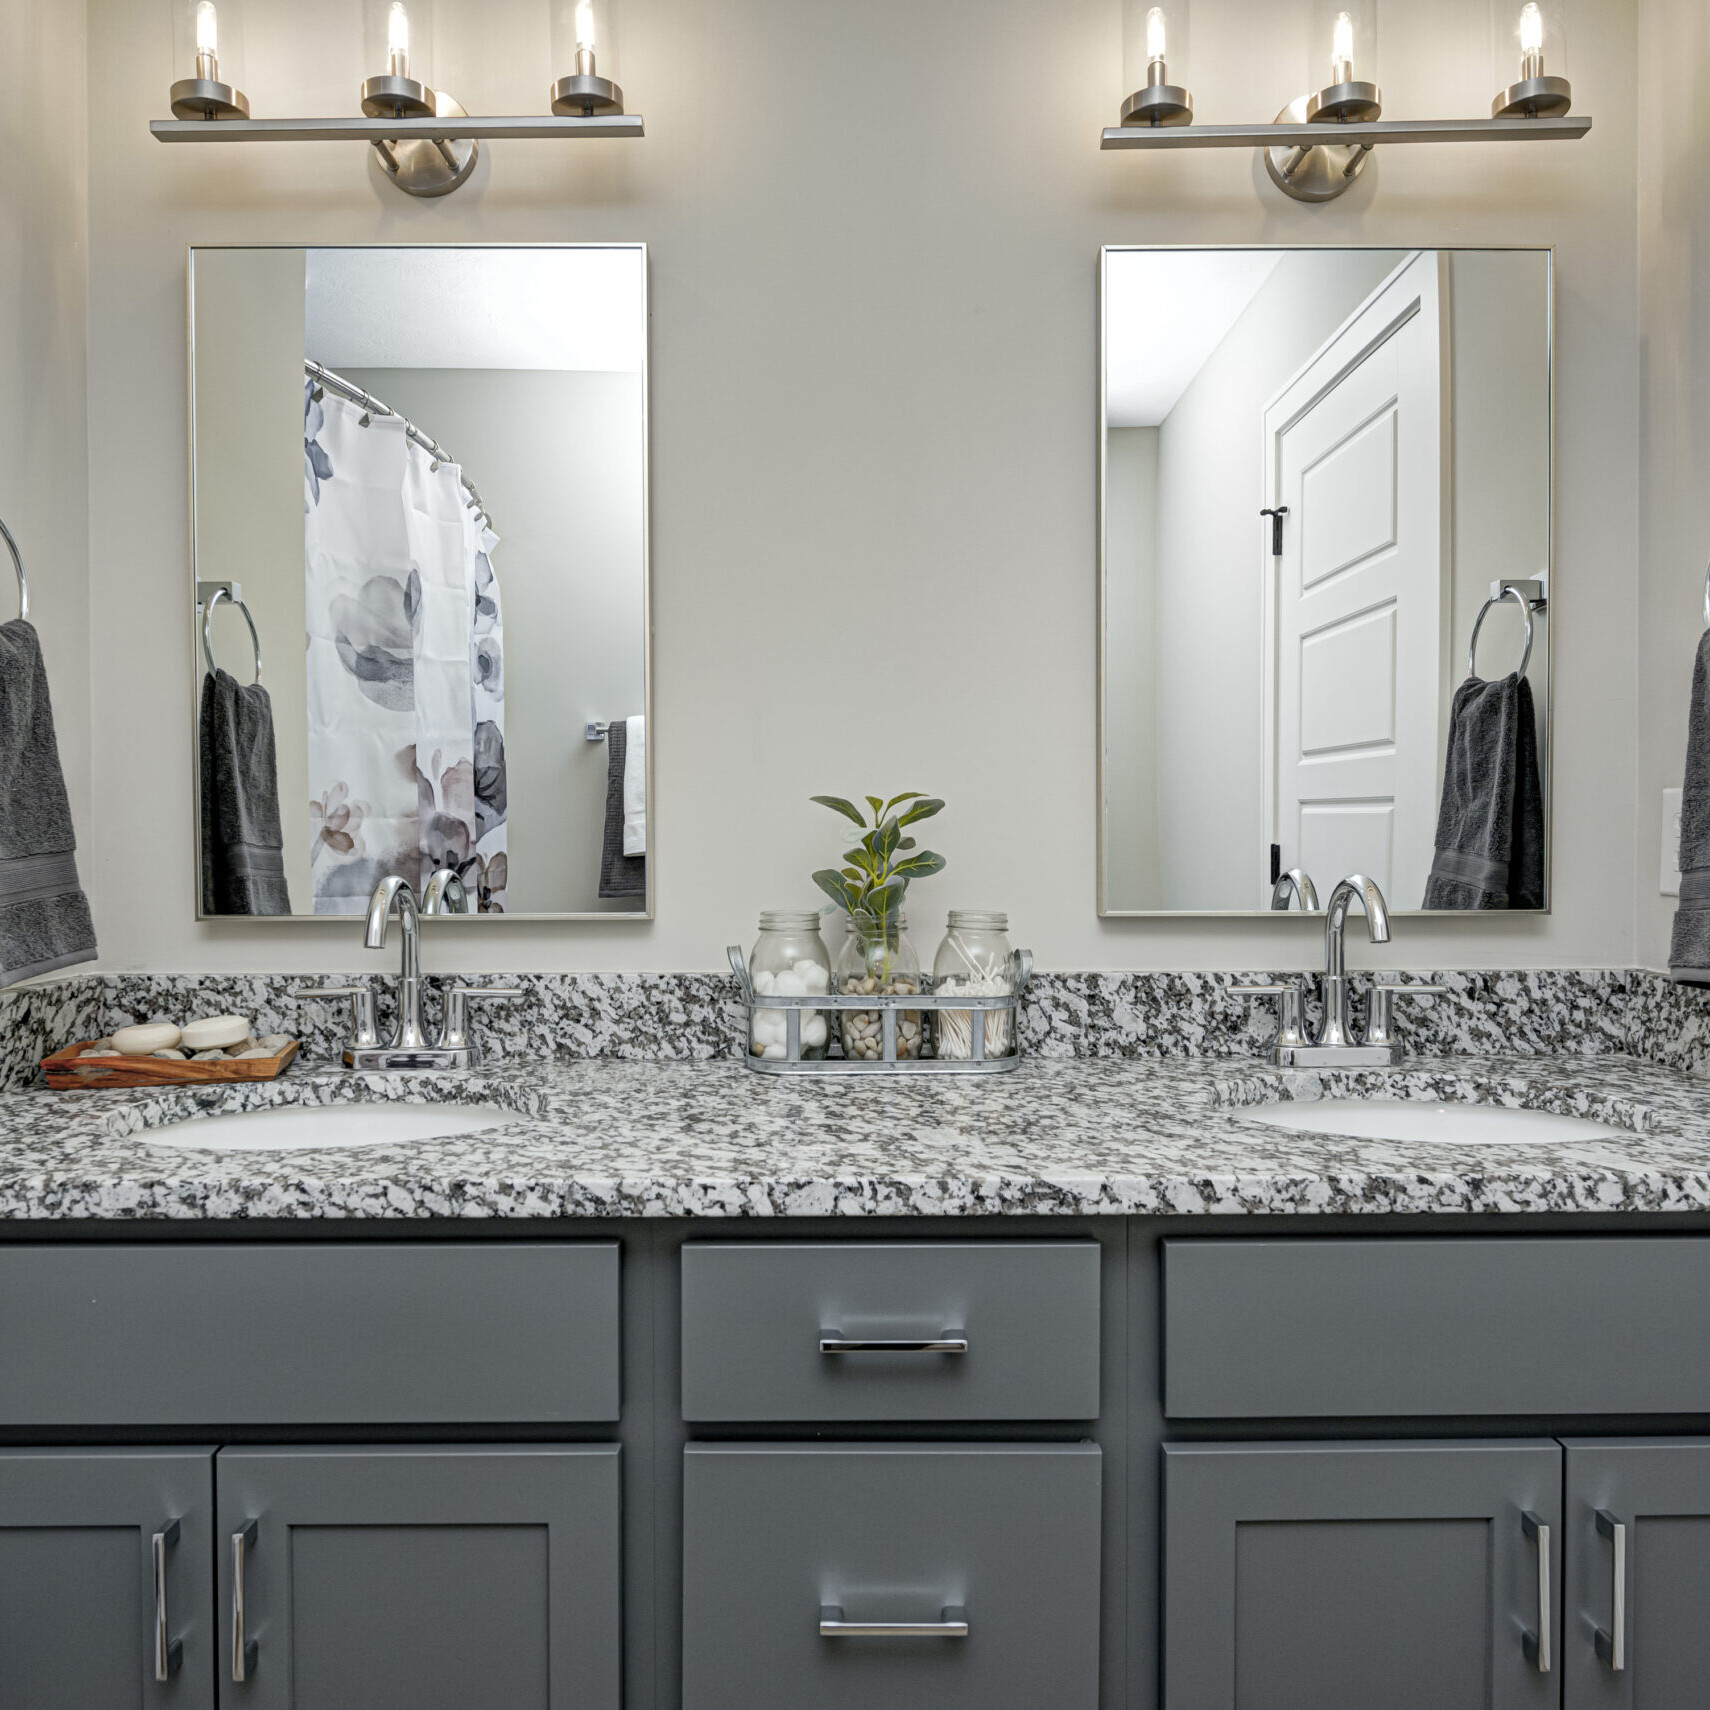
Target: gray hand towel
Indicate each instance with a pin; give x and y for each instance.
(243, 848)
(44, 915)
(621, 875)
(1490, 828)
(1689, 944)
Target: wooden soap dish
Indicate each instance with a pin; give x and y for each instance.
(68, 1071)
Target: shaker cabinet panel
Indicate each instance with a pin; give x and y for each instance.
(197, 1336)
(94, 1614)
(875, 1330)
(419, 1579)
(1300, 1576)
(1638, 1584)
(847, 1576)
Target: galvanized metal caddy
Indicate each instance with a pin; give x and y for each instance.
(891, 1007)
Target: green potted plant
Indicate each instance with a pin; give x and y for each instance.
(870, 887)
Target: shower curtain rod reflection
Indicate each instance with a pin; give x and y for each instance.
(347, 389)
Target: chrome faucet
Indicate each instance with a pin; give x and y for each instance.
(1334, 1045)
(409, 1047)
(1298, 882)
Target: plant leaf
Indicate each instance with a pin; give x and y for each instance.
(885, 839)
(921, 866)
(906, 796)
(922, 810)
(852, 873)
(878, 808)
(907, 843)
(837, 888)
(838, 805)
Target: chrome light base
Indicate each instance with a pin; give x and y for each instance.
(1534, 98)
(208, 98)
(583, 94)
(1159, 104)
(422, 167)
(1345, 104)
(397, 98)
(1318, 173)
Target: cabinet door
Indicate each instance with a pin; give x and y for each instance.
(419, 1579)
(1303, 1575)
(94, 1615)
(1638, 1584)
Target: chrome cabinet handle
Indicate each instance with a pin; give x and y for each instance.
(168, 1652)
(1538, 1643)
(1612, 1644)
(243, 1649)
(952, 1624)
(835, 1342)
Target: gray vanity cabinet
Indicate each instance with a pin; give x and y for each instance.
(1638, 1585)
(431, 1578)
(106, 1593)
(1415, 1575)
(916, 1577)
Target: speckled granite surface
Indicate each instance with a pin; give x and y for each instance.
(600, 1139)
(677, 1017)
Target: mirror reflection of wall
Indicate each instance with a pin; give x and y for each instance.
(429, 464)
(1266, 711)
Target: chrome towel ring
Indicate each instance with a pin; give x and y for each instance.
(1526, 612)
(208, 640)
(18, 565)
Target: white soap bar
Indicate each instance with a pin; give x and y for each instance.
(216, 1031)
(171, 1056)
(141, 1041)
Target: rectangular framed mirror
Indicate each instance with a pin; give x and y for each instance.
(1322, 471)
(419, 498)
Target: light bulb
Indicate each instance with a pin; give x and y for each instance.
(207, 28)
(1155, 35)
(1531, 40)
(585, 26)
(1342, 49)
(398, 40)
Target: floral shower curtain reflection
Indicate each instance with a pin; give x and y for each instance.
(405, 666)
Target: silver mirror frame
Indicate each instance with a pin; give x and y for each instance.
(454, 922)
(1105, 911)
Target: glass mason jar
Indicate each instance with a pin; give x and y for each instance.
(788, 960)
(974, 958)
(878, 957)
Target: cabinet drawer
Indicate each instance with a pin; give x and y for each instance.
(784, 1331)
(309, 1333)
(990, 1551)
(1448, 1328)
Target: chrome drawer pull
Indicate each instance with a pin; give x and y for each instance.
(168, 1652)
(1612, 1645)
(243, 1649)
(953, 1624)
(835, 1342)
(1538, 1644)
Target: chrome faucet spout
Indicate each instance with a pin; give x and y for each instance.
(1336, 919)
(395, 893)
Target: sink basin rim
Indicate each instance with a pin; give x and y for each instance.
(1429, 1121)
(359, 1125)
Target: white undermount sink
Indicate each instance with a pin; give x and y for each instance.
(1415, 1120)
(300, 1127)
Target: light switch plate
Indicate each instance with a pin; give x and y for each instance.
(1670, 886)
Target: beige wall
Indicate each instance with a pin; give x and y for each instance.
(1674, 248)
(874, 394)
(43, 416)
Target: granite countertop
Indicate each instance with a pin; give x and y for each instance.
(1090, 1138)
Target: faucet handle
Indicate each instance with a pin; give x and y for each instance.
(1291, 1009)
(1380, 1015)
(364, 1019)
(454, 1034)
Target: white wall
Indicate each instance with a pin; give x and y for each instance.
(1674, 248)
(43, 424)
(874, 345)
(1132, 879)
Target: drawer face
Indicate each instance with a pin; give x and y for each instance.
(309, 1333)
(1377, 1328)
(755, 1315)
(778, 1538)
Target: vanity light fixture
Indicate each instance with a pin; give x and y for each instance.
(423, 138)
(1319, 143)
(1158, 101)
(205, 96)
